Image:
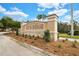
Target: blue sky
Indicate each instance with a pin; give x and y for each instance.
(29, 11)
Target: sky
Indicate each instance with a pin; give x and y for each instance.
(29, 11)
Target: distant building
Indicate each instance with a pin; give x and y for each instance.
(37, 28)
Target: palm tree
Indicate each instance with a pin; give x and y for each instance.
(41, 16)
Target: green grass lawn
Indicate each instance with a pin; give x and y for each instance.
(67, 36)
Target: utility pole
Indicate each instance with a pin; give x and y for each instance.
(72, 23)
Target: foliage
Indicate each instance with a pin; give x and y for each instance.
(47, 36)
(7, 22)
(59, 46)
(66, 39)
(1, 24)
(15, 25)
(30, 37)
(76, 32)
(33, 36)
(58, 36)
(41, 16)
(26, 36)
(75, 41)
(63, 40)
(64, 35)
(64, 27)
(32, 42)
(74, 45)
(17, 32)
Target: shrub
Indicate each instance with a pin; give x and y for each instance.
(33, 36)
(17, 32)
(38, 37)
(75, 41)
(76, 32)
(58, 36)
(63, 40)
(22, 35)
(66, 39)
(59, 46)
(32, 42)
(47, 36)
(30, 36)
(74, 45)
(26, 36)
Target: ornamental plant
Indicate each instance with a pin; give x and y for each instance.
(47, 36)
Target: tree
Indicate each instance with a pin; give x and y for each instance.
(6, 21)
(63, 27)
(41, 16)
(1, 25)
(10, 23)
(76, 25)
(15, 25)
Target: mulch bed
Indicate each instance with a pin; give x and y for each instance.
(62, 48)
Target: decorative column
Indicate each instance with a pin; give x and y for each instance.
(55, 30)
(52, 26)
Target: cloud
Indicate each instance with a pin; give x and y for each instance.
(52, 5)
(2, 9)
(15, 9)
(67, 17)
(12, 12)
(76, 12)
(60, 12)
(40, 9)
(15, 13)
(63, 4)
(45, 5)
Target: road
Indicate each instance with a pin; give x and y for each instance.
(9, 47)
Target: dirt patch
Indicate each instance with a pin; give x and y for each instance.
(62, 48)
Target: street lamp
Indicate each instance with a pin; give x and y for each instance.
(72, 27)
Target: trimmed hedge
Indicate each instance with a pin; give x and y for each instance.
(76, 32)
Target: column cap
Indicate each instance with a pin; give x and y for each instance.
(52, 15)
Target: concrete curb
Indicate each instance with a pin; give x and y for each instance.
(33, 48)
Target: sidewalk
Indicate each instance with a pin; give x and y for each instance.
(70, 39)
